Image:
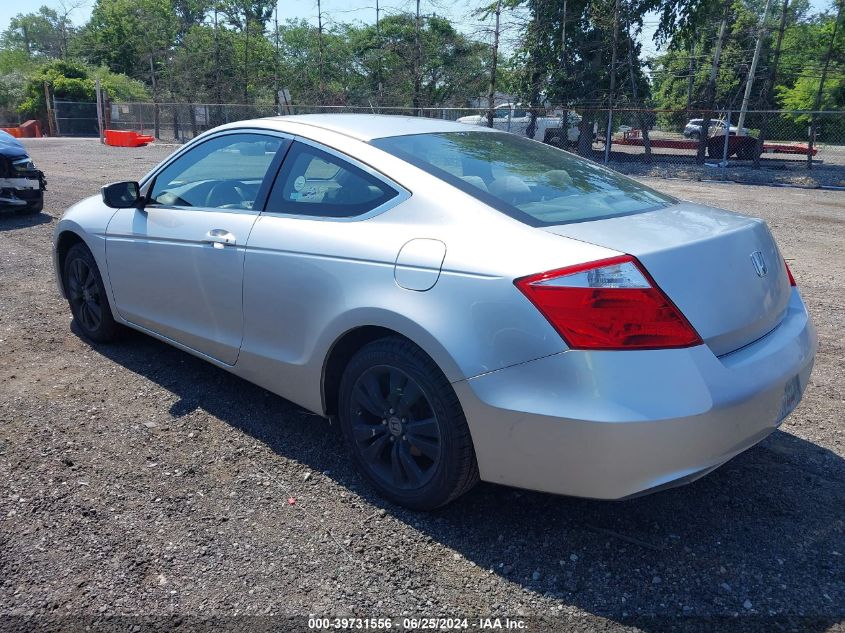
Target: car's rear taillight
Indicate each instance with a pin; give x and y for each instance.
(789, 274)
(608, 304)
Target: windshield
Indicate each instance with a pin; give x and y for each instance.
(533, 182)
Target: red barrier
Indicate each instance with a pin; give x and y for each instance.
(30, 129)
(126, 138)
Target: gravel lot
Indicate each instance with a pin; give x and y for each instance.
(137, 479)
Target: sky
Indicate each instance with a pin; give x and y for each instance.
(340, 11)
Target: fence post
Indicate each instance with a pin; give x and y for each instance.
(51, 128)
(176, 122)
(727, 138)
(607, 135)
(99, 94)
(106, 109)
(56, 116)
(812, 142)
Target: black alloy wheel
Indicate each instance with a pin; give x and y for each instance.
(404, 425)
(395, 427)
(86, 295)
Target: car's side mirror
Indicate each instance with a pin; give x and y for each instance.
(121, 195)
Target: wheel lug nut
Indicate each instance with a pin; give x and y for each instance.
(391, 412)
(405, 438)
(384, 421)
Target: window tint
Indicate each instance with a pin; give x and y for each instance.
(225, 172)
(314, 182)
(530, 181)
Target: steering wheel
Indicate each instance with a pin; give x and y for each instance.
(226, 193)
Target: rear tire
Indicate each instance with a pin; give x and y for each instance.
(404, 426)
(87, 297)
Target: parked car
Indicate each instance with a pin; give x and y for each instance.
(466, 303)
(516, 120)
(716, 127)
(21, 184)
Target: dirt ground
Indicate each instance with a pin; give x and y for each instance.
(138, 480)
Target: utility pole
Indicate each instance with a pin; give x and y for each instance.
(563, 62)
(320, 45)
(710, 89)
(380, 49)
(217, 94)
(613, 55)
(770, 84)
(246, 57)
(762, 32)
(563, 69)
(644, 123)
(276, 59)
(818, 102)
(491, 93)
(417, 62)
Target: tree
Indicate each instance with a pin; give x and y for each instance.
(335, 80)
(450, 70)
(74, 81)
(815, 41)
(250, 18)
(45, 33)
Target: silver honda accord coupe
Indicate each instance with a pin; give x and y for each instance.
(467, 303)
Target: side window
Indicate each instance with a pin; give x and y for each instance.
(225, 172)
(314, 182)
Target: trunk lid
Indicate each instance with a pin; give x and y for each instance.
(704, 260)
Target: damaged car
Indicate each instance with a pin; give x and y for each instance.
(22, 186)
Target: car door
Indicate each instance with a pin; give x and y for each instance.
(176, 265)
(308, 244)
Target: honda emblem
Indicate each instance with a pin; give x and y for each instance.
(759, 264)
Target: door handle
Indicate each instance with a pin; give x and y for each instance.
(220, 237)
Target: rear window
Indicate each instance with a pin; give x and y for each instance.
(530, 181)
(314, 182)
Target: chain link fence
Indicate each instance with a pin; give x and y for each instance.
(770, 146)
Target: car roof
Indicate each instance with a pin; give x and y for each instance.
(366, 127)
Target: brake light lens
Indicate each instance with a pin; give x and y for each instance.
(789, 274)
(609, 304)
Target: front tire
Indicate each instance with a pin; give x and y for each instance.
(404, 426)
(86, 296)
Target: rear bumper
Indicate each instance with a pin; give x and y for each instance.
(610, 425)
